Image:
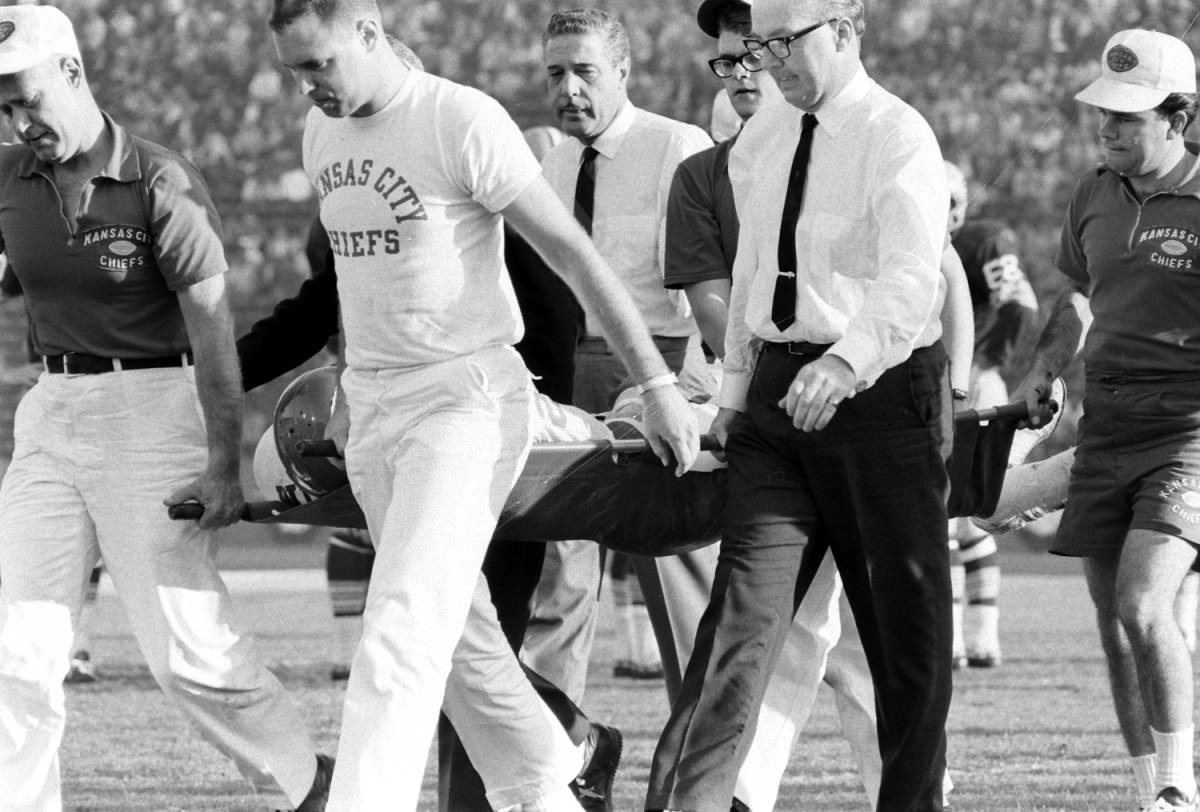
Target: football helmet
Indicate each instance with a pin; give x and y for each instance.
(302, 413)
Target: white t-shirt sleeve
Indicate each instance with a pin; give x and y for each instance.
(497, 163)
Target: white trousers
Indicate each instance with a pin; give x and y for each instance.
(93, 458)
(432, 455)
(822, 645)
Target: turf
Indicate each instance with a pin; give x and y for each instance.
(1037, 733)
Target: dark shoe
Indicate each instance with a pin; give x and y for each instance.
(318, 795)
(82, 669)
(738, 806)
(983, 659)
(593, 786)
(1172, 800)
(339, 673)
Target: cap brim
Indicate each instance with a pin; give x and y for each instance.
(1120, 97)
(17, 60)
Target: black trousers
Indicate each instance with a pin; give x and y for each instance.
(872, 486)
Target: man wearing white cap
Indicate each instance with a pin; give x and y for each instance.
(115, 242)
(1131, 250)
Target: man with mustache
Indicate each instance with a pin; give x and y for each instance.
(616, 171)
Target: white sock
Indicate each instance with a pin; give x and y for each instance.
(1143, 777)
(627, 616)
(347, 629)
(960, 646)
(984, 618)
(1174, 764)
(646, 646)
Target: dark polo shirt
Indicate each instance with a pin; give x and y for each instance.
(702, 223)
(1140, 263)
(105, 284)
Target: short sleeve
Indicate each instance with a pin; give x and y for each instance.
(694, 247)
(184, 224)
(498, 164)
(1071, 259)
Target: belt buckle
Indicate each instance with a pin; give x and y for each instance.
(66, 356)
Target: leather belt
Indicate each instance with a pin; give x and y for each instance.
(80, 363)
(806, 348)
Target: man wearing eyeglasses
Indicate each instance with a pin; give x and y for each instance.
(701, 243)
(834, 411)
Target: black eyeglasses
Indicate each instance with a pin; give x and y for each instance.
(781, 47)
(723, 66)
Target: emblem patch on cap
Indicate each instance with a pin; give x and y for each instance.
(6, 30)
(1121, 59)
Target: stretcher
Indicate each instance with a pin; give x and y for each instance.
(618, 493)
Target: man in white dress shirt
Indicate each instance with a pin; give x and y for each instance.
(616, 170)
(834, 411)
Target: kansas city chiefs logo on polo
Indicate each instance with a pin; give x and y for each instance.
(1121, 59)
(118, 247)
(6, 30)
(1176, 249)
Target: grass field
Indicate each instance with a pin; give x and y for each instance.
(1035, 734)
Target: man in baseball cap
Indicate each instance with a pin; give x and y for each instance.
(111, 428)
(31, 34)
(1130, 250)
(1139, 70)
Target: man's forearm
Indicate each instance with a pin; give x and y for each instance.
(1063, 334)
(218, 379)
(540, 218)
(610, 302)
(710, 306)
(219, 388)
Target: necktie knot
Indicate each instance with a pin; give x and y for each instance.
(589, 155)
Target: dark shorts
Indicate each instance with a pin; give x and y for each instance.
(1137, 467)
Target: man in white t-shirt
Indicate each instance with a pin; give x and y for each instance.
(414, 173)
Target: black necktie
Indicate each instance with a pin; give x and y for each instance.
(585, 189)
(783, 305)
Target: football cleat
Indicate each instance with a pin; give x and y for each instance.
(83, 670)
(1172, 800)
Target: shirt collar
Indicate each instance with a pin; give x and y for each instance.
(609, 141)
(123, 163)
(835, 112)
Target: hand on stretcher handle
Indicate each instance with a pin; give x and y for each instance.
(1015, 409)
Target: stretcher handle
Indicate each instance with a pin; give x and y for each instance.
(194, 510)
(1016, 409)
(326, 448)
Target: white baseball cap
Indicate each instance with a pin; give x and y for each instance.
(31, 34)
(1139, 70)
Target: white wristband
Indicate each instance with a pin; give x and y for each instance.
(665, 379)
